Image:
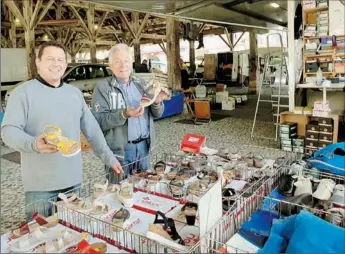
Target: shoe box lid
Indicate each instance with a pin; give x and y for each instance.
(192, 143)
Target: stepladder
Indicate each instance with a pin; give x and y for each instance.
(273, 87)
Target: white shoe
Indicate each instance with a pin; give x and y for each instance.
(125, 194)
(303, 186)
(339, 194)
(325, 189)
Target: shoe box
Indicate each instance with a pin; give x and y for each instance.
(319, 132)
(287, 132)
(298, 144)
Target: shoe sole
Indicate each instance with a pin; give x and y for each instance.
(160, 239)
(66, 155)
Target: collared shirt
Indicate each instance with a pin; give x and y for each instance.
(138, 127)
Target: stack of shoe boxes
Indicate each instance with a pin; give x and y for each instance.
(287, 133)
(319, 133)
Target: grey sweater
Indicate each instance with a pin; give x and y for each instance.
(31, 107)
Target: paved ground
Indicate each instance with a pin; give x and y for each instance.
(230, 131)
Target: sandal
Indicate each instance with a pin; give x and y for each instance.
(190, 211)
(100, 207)
(202, 174)
(258, 161)
(85, 247)
(197, 188)
(172, 174)
(125, 194)
(71, 201)
(182, 174)
(66, 146)
(153, 177)
(159, 168)
(213, 177)
(62, 243)
(119, 218)
(27, 228)
(165, 233)
(176, 188)
(102, 190)
(28, 242)
(249, 158)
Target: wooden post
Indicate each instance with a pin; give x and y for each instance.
(253, 61)
(93, 53)
(137, 54)
(173, 53)
(30, 53)
(12, 31)
(58, 17)
(192, 56)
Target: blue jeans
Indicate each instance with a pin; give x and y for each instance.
(135, 158)
(37, 201)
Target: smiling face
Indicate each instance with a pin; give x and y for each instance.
(121, 64)
(52, 65)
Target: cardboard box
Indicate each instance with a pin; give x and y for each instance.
(299, 141)
(326, 136)
(222, 96)
(312, 135)
(326, 129)
(229, 104)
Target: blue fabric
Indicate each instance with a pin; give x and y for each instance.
(274, 244)
(173, 106)
(305, 233)
(254, 238)
(313, 234)
(260, 223)
(269, 204)
(325, 159)
(138, 127)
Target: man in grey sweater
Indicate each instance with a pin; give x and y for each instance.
(127, 127)
(43, 101)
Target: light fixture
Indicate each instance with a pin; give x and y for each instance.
(45, 37)
(275, 5)
(96, 26)
(17, 20)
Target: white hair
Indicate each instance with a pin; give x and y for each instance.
(119, 47)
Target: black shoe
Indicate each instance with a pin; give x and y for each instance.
(293, 205)
(286, 186)
(169, 227)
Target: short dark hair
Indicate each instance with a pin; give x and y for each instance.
(51, 44)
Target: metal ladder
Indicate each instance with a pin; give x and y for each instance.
(278, 85)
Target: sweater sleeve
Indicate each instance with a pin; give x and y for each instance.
(94, 135)
(13, 125)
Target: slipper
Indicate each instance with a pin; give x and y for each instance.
(172, 174)
(258, 161)
(26, 228)
(159, 167)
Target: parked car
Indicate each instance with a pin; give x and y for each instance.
(83, 76)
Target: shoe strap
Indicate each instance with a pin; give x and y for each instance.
(57, 129)
(164, 219)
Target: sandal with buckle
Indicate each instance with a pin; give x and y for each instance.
(153, 177)
(169, 227)
(119, 218)
(182, 174)
(176, 188)
(67, 147)
(172, 174)
(197, 188)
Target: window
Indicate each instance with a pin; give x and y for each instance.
(78, 73)
(97, 72)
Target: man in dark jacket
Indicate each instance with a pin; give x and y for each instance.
(128, 128)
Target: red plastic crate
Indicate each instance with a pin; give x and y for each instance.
(192, 143)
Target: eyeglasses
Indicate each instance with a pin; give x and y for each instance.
(122, 62)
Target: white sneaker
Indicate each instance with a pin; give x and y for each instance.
(339, 194)
(125, 194)
(303, 186)
(325, 189)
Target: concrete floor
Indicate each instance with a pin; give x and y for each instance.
(233, 131)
